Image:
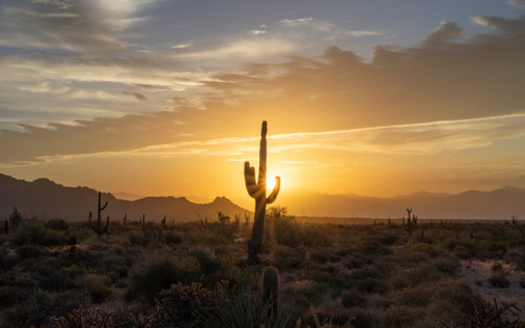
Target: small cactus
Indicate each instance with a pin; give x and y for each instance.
(163, 223)
(98, 228)
(270, 289)
(257, 190)
(15, 218)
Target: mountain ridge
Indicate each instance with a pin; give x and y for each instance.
(43, 198)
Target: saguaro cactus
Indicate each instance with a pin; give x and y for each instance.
(270, 289)
(257, 190)
(99, 229)
(411, 224)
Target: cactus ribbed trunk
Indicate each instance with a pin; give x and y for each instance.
(270, 289)
(99, 230)
(257, 190)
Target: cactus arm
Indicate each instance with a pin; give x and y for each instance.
(249, 179)
(103, 207)
(275, 191)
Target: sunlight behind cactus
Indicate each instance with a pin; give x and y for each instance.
(257, 190)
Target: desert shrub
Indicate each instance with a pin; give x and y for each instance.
(8, 258)
(74, 271)
(180, 305)
(354, 262)
(427, 249)
(326, 318)
(56, 224)
(372, 285)
(498, 276)
(367, 272)
(30, 251)
(244, 309)
(81, 233)
(148, 279)
(448, 265)
(321, 256)
(34, 232)
(137, 238)
(313, 236)
(456, 292)
(353, 298)
(87, 317)
(398, 316)
(46, 271)
(171, 237)
(419, 296)
(37, 309)
(462, 252)
(289, 258)
(96, 286)
(11, 295)
(116, 266)
(287, 231)
(487, 314)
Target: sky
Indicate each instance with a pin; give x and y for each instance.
(166, 97)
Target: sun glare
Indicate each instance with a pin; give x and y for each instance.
(270, 180)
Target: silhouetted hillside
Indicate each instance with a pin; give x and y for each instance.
(43, 198)
(497, 204)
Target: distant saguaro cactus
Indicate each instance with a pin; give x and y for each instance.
(98, 228)
(411, 224)
(257, 190)
(15, 218)
(270, 289)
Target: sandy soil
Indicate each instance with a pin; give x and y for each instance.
(477, 273)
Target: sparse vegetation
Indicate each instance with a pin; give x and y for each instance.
(57, 273)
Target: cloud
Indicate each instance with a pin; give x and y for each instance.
(138, 96)
(451, 92)
(446, 32)
(257, 32)
(330, 30)
(92, 26)
(516, 3)
(253, 49)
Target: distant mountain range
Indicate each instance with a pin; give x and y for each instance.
(44, 198)
(497, 204)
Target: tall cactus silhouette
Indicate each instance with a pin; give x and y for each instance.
(99, 229)
(257, 190)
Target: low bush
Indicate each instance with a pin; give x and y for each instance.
(149, 278)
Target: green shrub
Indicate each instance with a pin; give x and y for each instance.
(57, 224)
(242, 309)
(499, 279)
(34, 232)
(353, 298)
(461, 251)
(148, 279)
(96, 286)
(426, 248)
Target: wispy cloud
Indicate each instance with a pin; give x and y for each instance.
(331, 30)
(253, 49)
(80, 26)
(517, 3)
